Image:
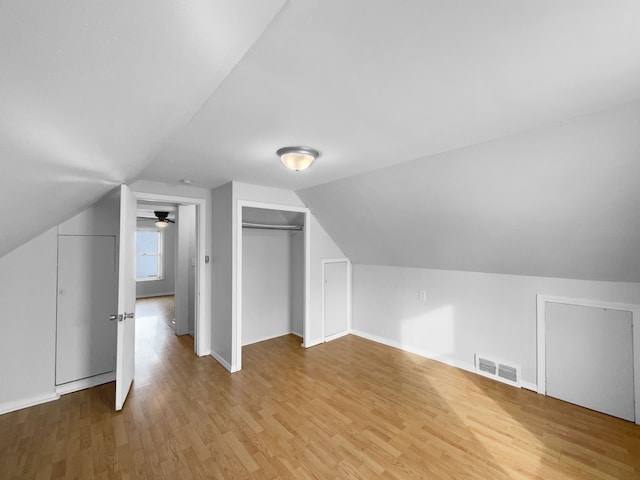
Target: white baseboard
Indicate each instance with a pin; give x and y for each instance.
(85, 383)
(151, 295)
(7, 407)
(265, 338)
(468, 367)
(221, 361)
(337, 335)
(311, 343)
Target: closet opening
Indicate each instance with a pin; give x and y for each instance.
(272, 255)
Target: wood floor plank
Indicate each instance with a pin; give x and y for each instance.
(349, 409)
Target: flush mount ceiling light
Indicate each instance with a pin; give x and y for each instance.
(297, 158)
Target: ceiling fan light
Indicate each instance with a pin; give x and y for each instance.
(162, 223)
(297, 158)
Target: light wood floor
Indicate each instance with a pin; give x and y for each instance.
(347, 409)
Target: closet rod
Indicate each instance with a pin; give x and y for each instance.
(271, 227)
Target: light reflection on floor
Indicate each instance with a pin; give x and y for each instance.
(153, 336)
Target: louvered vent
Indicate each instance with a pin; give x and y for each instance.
(498, 370)
(508, 373)
(486, 366)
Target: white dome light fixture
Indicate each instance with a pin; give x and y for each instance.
(297, 158)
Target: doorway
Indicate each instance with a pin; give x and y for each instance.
(189, 264)
(289, 218)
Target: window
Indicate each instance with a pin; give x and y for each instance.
(148, 255)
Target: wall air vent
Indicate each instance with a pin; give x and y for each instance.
(501, 371)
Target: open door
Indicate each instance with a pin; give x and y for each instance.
(125, 360)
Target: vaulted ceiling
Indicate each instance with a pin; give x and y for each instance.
(490, 136)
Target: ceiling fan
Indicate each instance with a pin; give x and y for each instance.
(162, 220)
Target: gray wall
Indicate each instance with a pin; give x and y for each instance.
(28, 342)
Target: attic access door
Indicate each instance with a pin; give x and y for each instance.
(588, 358)
(336, 305)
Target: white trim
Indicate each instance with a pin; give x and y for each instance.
(268, 337)
(7, 407)
(236, 313)
(541, 301)
(312, 343)
(221, 361)
(336, 336)
(152, 295)
(85, 383)
(467, 367)
(348, 306)
(201, 343)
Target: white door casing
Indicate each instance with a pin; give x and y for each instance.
(236, 320)
(201, 328)
(544, 300)
(125, 358)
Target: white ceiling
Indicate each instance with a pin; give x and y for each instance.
(377, 83)
(561, 201)
(94, 94)
(91, 91)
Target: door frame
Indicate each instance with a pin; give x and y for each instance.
(348, 329)
(542, 301)
(200, 343)
(236, 314)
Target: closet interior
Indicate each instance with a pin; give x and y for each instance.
(272, 274)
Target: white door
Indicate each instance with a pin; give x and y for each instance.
(125, 361)
(85, 338)
(335, 298)
(589, 358)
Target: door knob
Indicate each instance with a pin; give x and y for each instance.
(129, 315)
(115, 317)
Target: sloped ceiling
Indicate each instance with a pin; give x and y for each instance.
(473, 119)
(98, 93)
(91, 91)
(377, 83)
(561, 200)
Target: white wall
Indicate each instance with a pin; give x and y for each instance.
(224, 257)
(465, 312)
(28, 294)
(28, 323)
(223, 277)
(166, 285)
(185, 272)
(322, 246)
(267, 281)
